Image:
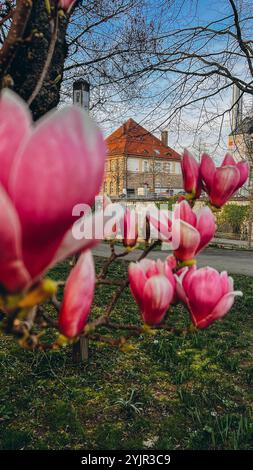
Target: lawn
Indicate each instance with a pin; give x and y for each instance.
(166, 392)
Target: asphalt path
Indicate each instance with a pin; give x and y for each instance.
(233, 261)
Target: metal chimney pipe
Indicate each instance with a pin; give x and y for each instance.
(81, 94)
(164, 137)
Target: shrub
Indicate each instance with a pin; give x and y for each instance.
(233, 216)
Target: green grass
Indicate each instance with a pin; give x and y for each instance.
(168, 392)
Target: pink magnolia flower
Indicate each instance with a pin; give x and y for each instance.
(153, 287)
(191, 175)
(171, 261)
(45, 170)
(221, 183)
(192, 230)
(160, 225)
(208, 294)
(66, 4)
(130, 228)
(78, 297)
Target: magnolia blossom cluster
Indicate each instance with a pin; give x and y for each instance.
(220, 183)
(207, 294)
(47, 169)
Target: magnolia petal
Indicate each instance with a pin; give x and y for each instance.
(87, 232)
(244, 170)
(203, 292)
(230, 284)
(78, 297)
(66, 4)
(207, 171)
(137, 279)
(183, 279)
(167, 271)
(160, 228)
(13, 274)
(184, 212)
(206, 227)
(225, 282)
(85, 227)
(225, 182)
(60, 166)
(15, 122)
(180, 292)
(157, 296)
(130, 228)
(228, 160)
(190, 171)
(171, 261)
(220, 310)
(154, 268)
(206, 293)
(185, 239)
(225, 304)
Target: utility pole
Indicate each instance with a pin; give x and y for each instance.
(81, 97)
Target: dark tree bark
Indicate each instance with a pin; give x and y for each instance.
(28, 63)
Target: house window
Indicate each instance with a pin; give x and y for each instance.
(158, 166)
(158, 188)
(145, 165)
(167, 167)
(130, 192)
(105, 187)
(111, 187)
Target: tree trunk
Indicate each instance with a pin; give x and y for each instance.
(80, 350)
(28, 63)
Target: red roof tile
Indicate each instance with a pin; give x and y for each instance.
(132, 139)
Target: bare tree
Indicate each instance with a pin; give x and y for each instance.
(40, 46)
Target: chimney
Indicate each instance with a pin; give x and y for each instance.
(164, 137)
(236, 108)
(81, 94)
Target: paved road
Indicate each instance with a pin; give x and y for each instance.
(228, 242)
(233, 261)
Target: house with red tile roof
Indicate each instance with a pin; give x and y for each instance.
(138, 163)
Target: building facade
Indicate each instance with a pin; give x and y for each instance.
(140, 164)
(240, 145)
(240, 140)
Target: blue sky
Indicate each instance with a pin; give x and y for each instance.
(191, 13)
(206, 140)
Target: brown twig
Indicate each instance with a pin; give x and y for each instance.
(104, 271)
(55, 302)
(105, 339)
(49, 321)
(125, 283)
(7, 17)
(103, 320)
(148, 249)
